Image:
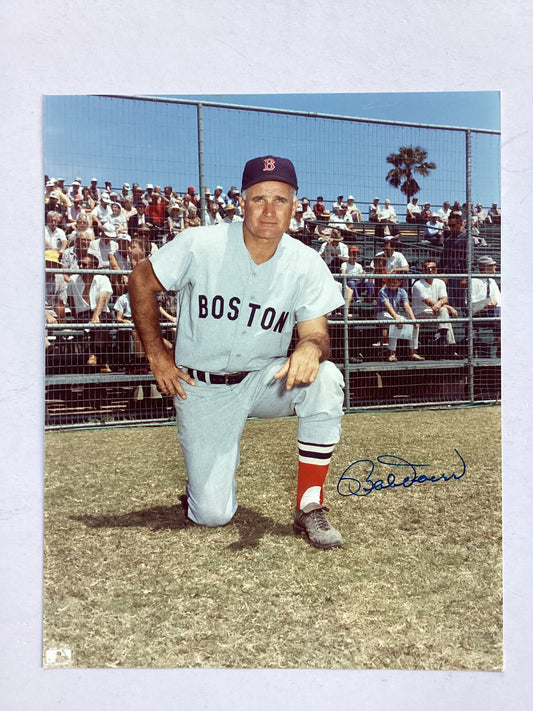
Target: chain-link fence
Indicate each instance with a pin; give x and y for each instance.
(96, 372)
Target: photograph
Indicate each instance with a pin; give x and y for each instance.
(272, 382)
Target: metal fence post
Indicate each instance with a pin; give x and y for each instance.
(201, 165)
(468, 167)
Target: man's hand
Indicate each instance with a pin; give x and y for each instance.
(168, 375)
(302, 366)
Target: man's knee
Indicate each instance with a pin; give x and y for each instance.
(209, 517)
(326, 394)
(330, 374)
(210, 510)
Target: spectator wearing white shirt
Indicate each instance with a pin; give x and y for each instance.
(433, 231)
(430, 301)
(387, 217)
(297, 224)
(231, 214)
(101, 213)
(414, 212)
(396, 262)
(444, 212)
(486, 297)
(355, 280)
(352, 210)
(213, 216)
(481, 214)
(54, 236)
(88, 296)
(103, 246)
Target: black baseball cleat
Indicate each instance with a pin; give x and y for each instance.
(312, 521)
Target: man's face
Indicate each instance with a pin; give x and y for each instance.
(455, 224)
(430, 268)
(85, 263)
(488, 269)
(83, 241)
(268, 209)
(388, 249)
(52, 222)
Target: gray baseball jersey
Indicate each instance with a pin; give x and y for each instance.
(236, 315)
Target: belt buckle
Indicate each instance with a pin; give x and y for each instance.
(226, 377)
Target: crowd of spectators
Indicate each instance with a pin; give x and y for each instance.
(88, 228)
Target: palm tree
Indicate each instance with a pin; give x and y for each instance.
(408, 162)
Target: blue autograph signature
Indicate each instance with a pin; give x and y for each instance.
(349, 485)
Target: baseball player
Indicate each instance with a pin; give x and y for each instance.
(242, 287)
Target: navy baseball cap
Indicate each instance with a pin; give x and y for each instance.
(258, 170)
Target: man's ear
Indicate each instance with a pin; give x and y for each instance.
(294, 206)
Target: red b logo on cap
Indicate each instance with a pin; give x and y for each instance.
(270, 164)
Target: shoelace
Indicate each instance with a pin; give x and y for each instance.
(320, 519)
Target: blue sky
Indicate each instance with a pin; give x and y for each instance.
(476, 109)
(121, 140)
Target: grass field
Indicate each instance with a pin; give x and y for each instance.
(417, 585)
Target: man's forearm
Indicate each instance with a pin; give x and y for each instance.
(145, 313)
(320, 340)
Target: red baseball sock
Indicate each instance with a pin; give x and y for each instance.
(313, 465)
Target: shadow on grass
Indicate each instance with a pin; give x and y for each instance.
(250, 524)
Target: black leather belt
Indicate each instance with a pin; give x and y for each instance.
(217, 378)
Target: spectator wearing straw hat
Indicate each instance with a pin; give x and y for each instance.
(486, 297)
(231, 214)
(174, 221)
(495, 214)
(322, 228)
(334, 252)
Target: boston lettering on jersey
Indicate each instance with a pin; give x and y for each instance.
(266, 318)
